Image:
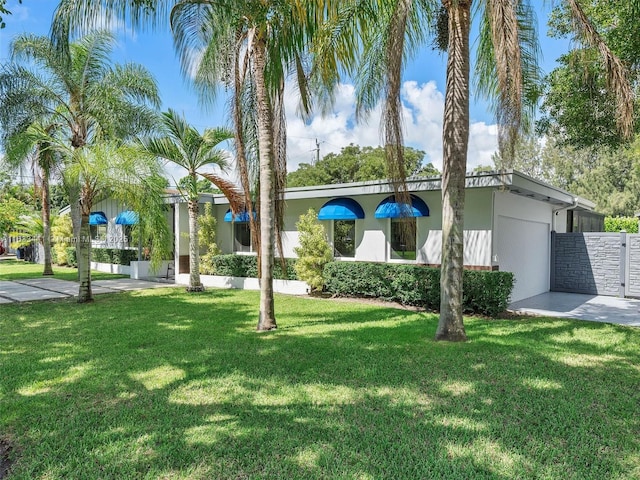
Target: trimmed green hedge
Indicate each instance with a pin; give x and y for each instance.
(116, 256)
(247, 266)
(617, 224)
(485, 292)
(104, 255)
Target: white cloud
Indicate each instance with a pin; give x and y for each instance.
(423, 106)
(19, 12)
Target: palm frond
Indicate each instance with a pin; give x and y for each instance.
(229, 189)
(507, 68)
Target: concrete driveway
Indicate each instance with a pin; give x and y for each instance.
(47, 288)
(623, 311)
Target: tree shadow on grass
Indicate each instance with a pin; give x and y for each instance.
(181, 386)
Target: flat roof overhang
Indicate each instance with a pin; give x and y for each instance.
(509, 181)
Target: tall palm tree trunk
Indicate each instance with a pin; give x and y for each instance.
(46, 222)
(83, 257)
(455, 140)
(194, 249)
(73, 191)
(241, 152)
(267, 320)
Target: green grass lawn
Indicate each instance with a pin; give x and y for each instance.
(20, 270)
(164, 384)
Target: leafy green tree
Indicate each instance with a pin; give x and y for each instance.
(429, 170)
(183, 145)
(10, 213)
(207, 236)
(29, 230)
(618, 224)
(526, 158)
(355, 164)
(33, 145)
(25, 193)
(15, 201)
(207, 231)
(204, 185)
(579, 108)
(4, 11)
(610, 178)
(483, 168)
(59, 197)
(314, 251)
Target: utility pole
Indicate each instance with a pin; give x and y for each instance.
(317, 149)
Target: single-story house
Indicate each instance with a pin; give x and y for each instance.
(508, 221)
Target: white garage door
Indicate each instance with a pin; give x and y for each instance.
(523, 248)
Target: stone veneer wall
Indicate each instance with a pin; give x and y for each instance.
(586, 263)
(596, 263)
(633, 265)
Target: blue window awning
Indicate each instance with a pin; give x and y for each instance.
(389, 208)
(128, 217)
(242, 217)
(98, 218)
(342, 208)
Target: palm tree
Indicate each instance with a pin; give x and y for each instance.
(252, 46)
(78, 89)
(32, 145)
(127, 174)
(506, 72)
(183, 145)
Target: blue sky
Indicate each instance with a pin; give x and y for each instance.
(423, 92)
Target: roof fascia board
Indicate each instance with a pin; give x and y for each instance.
(525, 182)
(508, 180)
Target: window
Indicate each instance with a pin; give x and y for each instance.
(242, 237)
(127, 235)
(98, 232)
(344, 236)
(403, 238)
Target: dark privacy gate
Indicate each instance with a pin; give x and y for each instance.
(596, 263)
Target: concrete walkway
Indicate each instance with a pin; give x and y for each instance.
(47, 288)
(623, 311)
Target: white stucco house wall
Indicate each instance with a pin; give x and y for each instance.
(508, 221)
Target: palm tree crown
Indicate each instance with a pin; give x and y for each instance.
(183, 145)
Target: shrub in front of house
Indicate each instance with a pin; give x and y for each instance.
(207, 238)
(484, 292)
(70, 253)
(61, 233)
(122, 257)
(116, 256)
(247, 266)
(617, 224)
(314, 251)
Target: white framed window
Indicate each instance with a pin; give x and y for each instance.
(98, 232)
